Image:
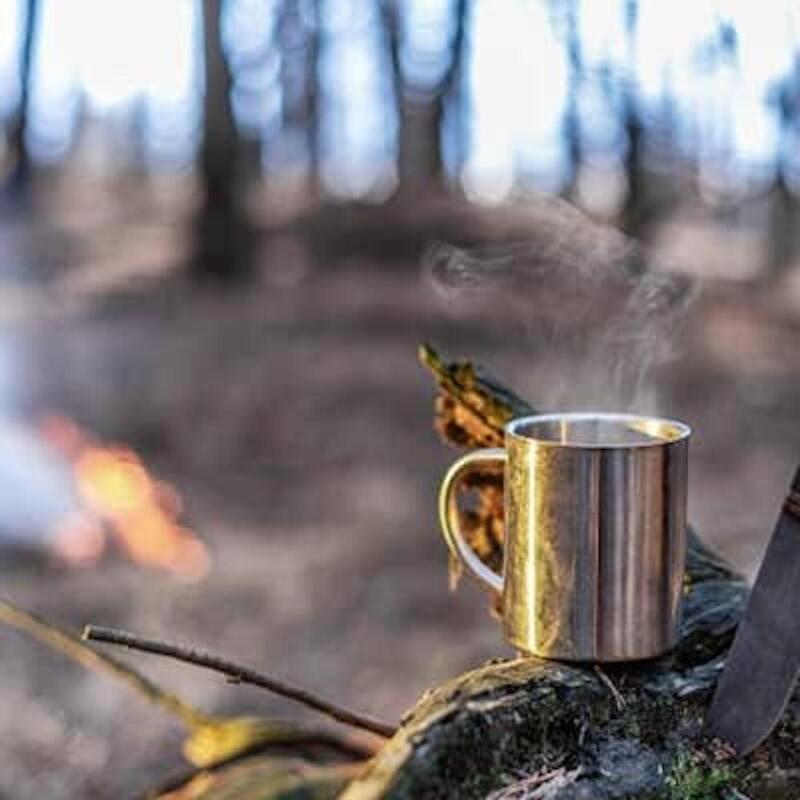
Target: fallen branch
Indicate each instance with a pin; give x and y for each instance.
(237, 674)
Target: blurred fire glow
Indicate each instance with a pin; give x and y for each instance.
(120, 501)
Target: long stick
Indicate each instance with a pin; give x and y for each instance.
(237, 673)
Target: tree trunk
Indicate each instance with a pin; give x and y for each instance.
(300, 37)
(421, 109)
(571, 125)
(19, 180)
(635, 213)
(311, 97)
(783, 243)
(223, 237)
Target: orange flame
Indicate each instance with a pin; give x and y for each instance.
(119, 498)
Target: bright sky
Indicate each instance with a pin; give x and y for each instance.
(116, 54)
(139, 59)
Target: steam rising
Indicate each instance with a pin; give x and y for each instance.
(599, 318)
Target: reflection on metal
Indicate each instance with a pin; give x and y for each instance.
(595, 534)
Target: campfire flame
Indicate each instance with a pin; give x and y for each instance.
(121, 501)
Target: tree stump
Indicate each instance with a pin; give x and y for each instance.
(529, 728)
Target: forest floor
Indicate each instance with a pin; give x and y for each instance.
(294, 419)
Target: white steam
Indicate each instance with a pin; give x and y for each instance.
(599, 319)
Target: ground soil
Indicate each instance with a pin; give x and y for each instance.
(293, 417)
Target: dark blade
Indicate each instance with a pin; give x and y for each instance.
(764, 662)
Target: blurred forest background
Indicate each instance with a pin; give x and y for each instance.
(213, 215)
(631, 110)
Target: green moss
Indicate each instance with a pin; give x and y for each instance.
(690, 780)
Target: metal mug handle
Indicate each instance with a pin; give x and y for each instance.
(449, 519)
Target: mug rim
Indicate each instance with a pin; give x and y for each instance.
(682, 431)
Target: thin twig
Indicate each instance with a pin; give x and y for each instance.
(619, 700)
(72, 647)
(534, 785)
(237, 673)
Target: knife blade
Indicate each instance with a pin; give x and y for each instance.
(763, 664)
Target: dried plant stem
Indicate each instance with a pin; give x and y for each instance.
(72, 647)
(619, 700)
(237, 673)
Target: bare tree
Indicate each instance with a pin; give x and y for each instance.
(223, 237)
(783, 242)
(571, 124)
(17, 137)
(300, 41)
(421, 105)
(634, 213)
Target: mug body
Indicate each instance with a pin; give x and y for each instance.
(595, 535)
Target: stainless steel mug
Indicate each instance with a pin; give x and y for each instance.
(595, 533)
